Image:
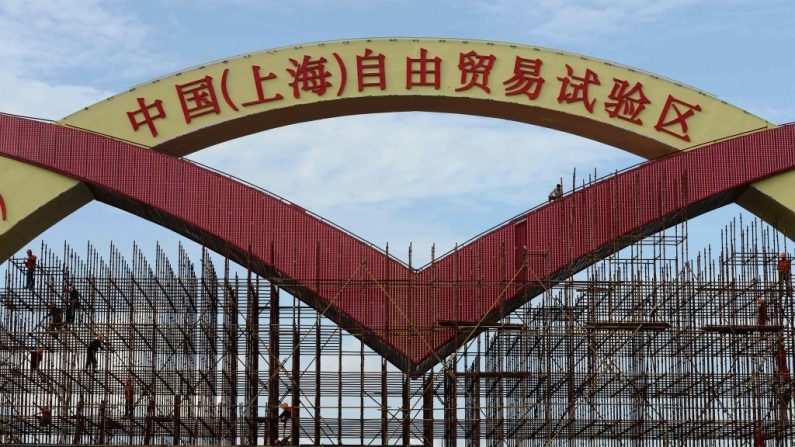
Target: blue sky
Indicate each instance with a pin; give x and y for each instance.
(397, 178)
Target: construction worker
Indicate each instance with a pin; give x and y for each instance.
(56, 319)
(287, 413)
(129, 396)
(46, 416)
(762, 318)
(556, 193)
(91, 352)
(72, 304)
(150, 421)
(80, 421)
(36, 357)
(784, 268)
(759, 438)
(30, 266)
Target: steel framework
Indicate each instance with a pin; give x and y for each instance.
(651, 346)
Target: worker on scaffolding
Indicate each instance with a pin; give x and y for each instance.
(36, 356)
(287, 414)
(761, 319)
(150, 421)
(80, 420)
(759, 438)
(556, 193)
(30, 267)
(56, 319)
(91, 352)
(72, 303)
(784, 268)
(783, 378)
(129, 397)
(46, 416)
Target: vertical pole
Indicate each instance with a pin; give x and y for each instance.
(177, 409)
(296, 380)
(427, 410)
(273, 368)
(406, 411)
(252, 356)
(384, 403)
(317, 349)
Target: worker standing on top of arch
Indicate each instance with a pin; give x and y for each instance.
(556, 193)
(784, 274)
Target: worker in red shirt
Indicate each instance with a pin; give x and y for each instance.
(129, 397)
(784, 274)
(36, 357)
(46, 416)
(759, 438)
(30, 266)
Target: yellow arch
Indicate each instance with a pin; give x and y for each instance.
(187, 111)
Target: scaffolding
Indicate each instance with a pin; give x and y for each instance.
(651, 346)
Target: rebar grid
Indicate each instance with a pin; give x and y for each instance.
(648, 347)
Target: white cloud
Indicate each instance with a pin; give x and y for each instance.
(397, 157)
(54, 39)
(30, 97)
(580, 21)
(413, 177)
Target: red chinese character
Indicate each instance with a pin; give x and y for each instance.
(571, 91)
(258, 80)
(2, 207)
(477, 68)
(428, 74)
(683, 111)
(198, 98)
(629, 102)
(148, 118)
(309, 76)
(372, 67)
(526, 79)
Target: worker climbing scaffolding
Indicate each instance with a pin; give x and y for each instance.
(36, 356)
(55, 314)
(158, 333)
(759, 437)
(72, 303)
(761, 319)
(91, 352)
(30, 269)
(46, 416)
(784, 268)
(129, 398)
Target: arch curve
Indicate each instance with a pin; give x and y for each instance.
(342, 277)
(186, 111)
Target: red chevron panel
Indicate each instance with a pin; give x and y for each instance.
(400, 313)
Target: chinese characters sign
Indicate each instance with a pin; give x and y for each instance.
(286, 79)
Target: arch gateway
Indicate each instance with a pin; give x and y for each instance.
(555, 375)
(190, 110)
